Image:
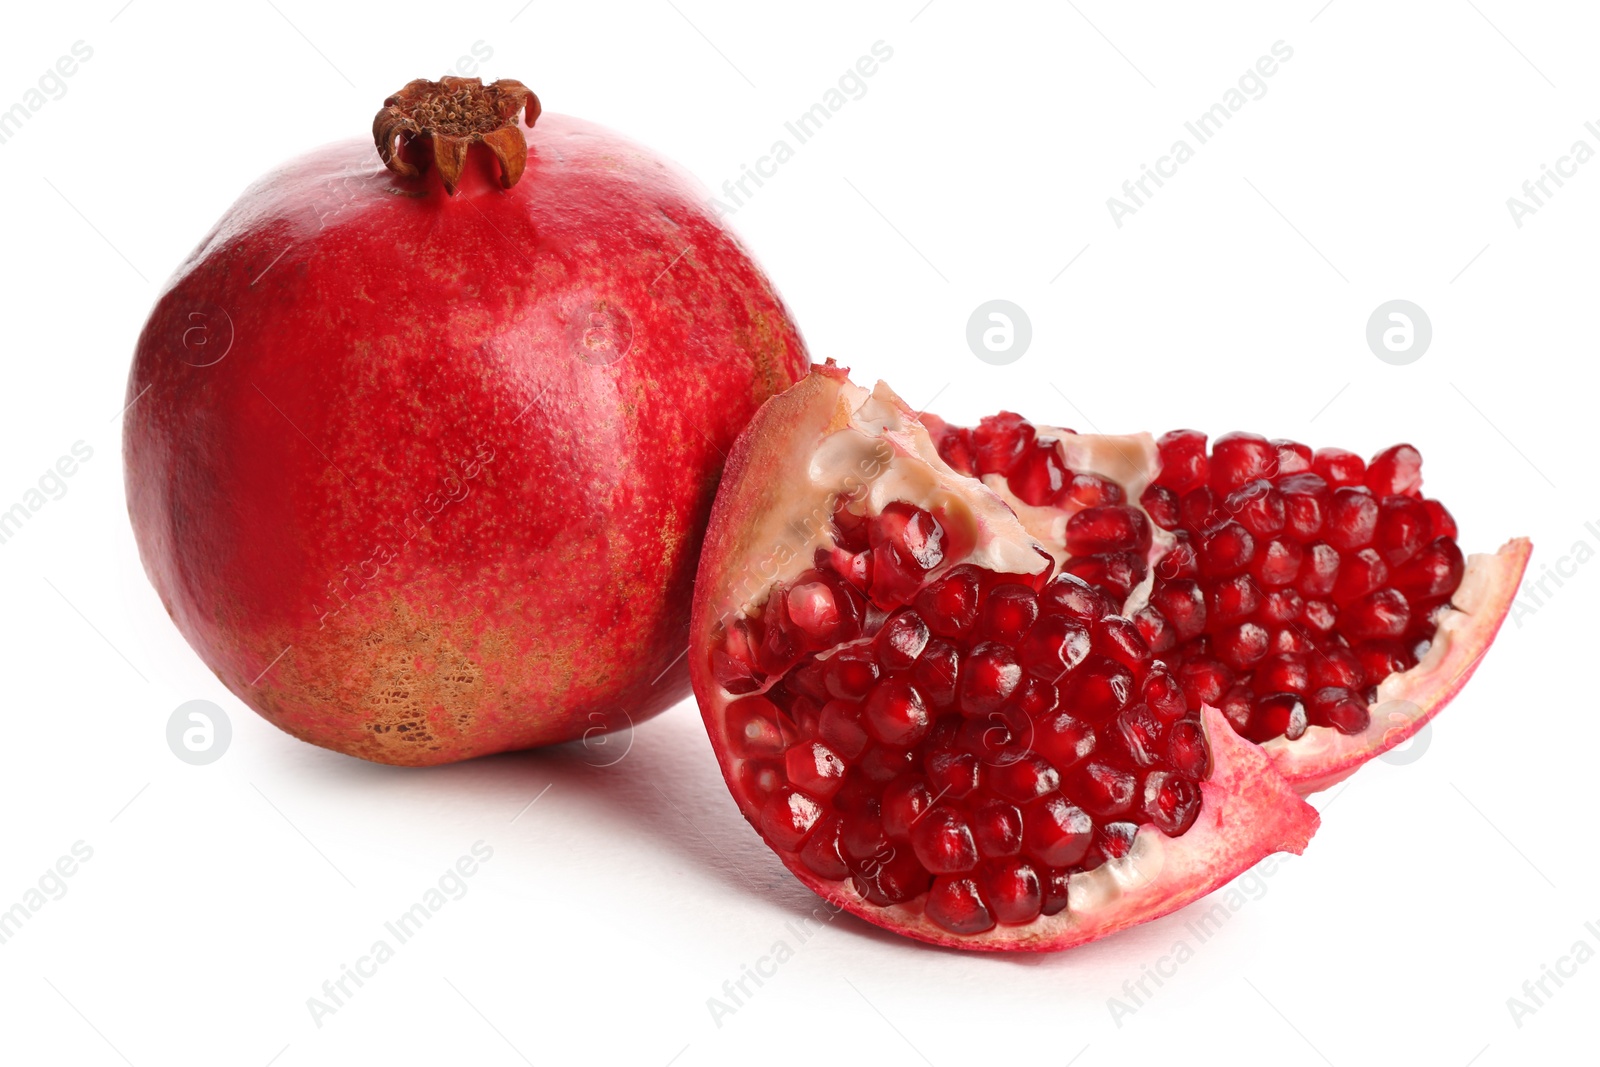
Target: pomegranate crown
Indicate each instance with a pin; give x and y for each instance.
(435, 123)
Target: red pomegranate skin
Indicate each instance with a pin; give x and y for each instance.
(424, 477)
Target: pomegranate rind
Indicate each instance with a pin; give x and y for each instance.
(1248, 810)
(1409, 700)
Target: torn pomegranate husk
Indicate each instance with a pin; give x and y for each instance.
(931, 726)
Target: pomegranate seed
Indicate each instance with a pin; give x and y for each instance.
(997, 828)
(815, 768)
(950, 605)
(1159, 635)
(780, 645)
(1183, 604)
(1403, 528)
(1162, 693)
(1013, 890)
(1000, 440)
(905, 800)
(1362, 572)
(787, 817)
(1440, 521)
(1396, 471)
(1171, 802)
(821, 853)
(936, 672)
(1281, 607)
(1319, 615)
(1198, 511)
(1098, 690)
(1294, 639)
(1039, 477)
(1055, 645)
(1242, 645)
(1143, 735)
(989, 676)
(894, 879)
(1181, 561)
(855, 568)
(957, 905)
(1306, 498)
(850, 525)
(756, 729)
(1277, 563)
(1115, 572)
(1227, 550)
(955, 448)
(1338, 467)
(1035, 697)
(813, 609)
(1286, 673)
(1281, 714)
(851, 674)
(1232, 599)
(952, 774)
(1335, 667)
(1352, 519)
(882, 763)
(1339, 708)
(733, 675)
(1161, 503)
(1379, 659)
(1238, 458)
(1293, 457)
(1063, 739)
(1091, 490)
(1184, 465)
(1116, 528)
(1434, 572)
(1258, 507)
(1113, 841)
(1056, 832)
(1007, 613)
(895, 713)
(1204, 681)
(1384, 613)
(901, 640)
(840, 726)
(996, 739)
(1105, 790)
(1025, 779)
(1237, 705)
(1055, 884)
(1186, 749)
(1319, 570)
(1117, 637)
(943, 841)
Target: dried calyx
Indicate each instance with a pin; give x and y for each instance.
(435, 123)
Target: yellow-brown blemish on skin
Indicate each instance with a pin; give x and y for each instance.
(407, 692)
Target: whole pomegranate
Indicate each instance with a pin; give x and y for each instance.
(1015, 688)
(423, 441)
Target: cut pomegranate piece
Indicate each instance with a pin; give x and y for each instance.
(965, 748)
(1318, 600)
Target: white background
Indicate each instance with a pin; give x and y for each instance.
(976, 166)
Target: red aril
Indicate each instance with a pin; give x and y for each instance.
(1023, 772)
(1320, 601)
(419, 458)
